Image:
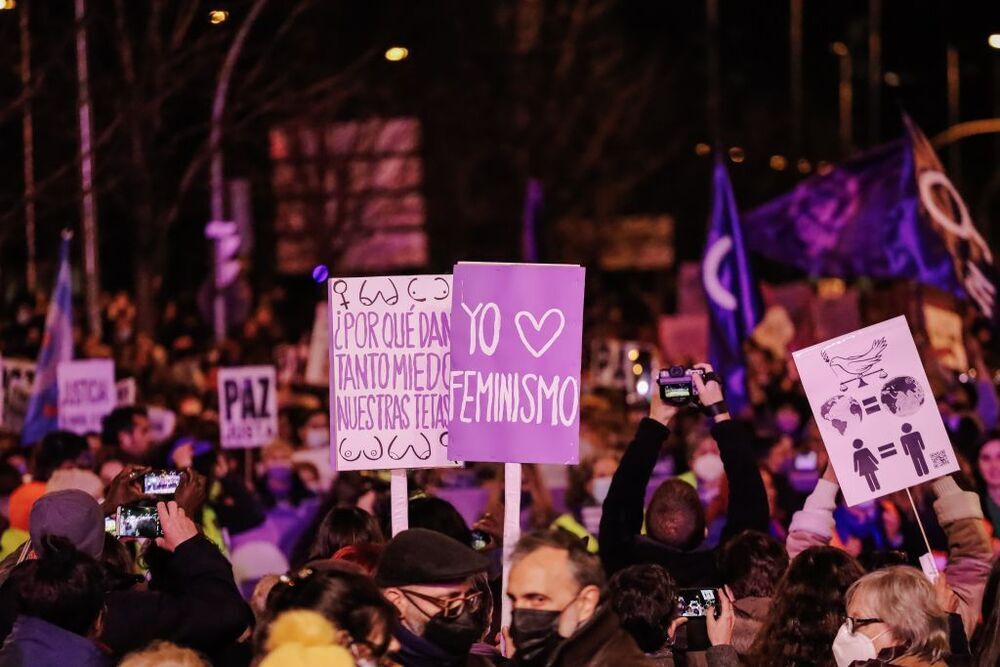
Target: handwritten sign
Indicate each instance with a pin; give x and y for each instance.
(875, 411)
(516, 355)
(248, 406)
(86, 394)
(390, 359)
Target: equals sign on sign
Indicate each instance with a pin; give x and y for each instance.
(885, 451)
(871, 405)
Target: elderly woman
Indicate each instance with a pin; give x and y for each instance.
(893, 618)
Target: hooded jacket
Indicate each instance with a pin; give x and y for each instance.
(37, 643)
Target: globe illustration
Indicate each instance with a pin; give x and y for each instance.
(842, 412)
(902, 395)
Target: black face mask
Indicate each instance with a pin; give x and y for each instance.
(536, 635)
(454, 635)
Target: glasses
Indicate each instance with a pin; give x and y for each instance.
(855, 624)
(450, 607)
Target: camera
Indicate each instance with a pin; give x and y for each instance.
(676, 386)
(138, 521)
(161, 482)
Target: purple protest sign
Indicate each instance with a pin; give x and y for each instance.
(516, 352)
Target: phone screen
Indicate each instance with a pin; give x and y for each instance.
(679, 390)
(161, 482)
(695, 602)
(136, 521)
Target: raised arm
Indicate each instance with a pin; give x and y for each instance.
(621, 519)
(812, 526)
(969, 551)
(748, 509)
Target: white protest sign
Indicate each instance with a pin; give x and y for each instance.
(248, 406)
(86, 394)
(18, 379)
(390, 363)
(126, 391)
(875, 410)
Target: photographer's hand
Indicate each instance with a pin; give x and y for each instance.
(125, 489)
(191, 492)
(660, 410)
(709, 392)
(177, 527)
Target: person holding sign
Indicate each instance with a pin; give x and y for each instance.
(958, 512)
(675, 518)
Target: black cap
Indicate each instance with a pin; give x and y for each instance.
(420, 556)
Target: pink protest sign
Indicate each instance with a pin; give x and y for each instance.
(390, 357)
(875, 410)
(516, 354)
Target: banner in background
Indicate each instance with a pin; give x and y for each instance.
(318, 361)
(516, 354)
(248, 406)
(86, 394)
(875, 411)
(126, 391)
(18, 378)
(944, 331)
(390, 357)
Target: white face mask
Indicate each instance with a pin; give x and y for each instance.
(847, 647)
(708, 467)
(317, 437)
(601, 486)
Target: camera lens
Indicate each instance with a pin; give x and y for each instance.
(676, 371)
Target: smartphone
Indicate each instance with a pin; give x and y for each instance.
(695, 602)
(138, 521)
(480, 540)
(161, 482)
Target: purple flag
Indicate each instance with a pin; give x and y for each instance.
(516, 339)
(734, 302)
(890, 212)
(57, 346)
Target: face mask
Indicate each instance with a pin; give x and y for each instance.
(601, 487)
(454, 635)
(536, 635)
(708, 467)
(317, 438)
(847, 647)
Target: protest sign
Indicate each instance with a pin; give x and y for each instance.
(18, 379)
(248, 406)
(126, 391)
(944, 330)
(875, 411)
(390, 342)
(516, 354)
(86, 394)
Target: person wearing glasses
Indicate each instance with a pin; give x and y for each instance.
(893, 618)
(430, 579)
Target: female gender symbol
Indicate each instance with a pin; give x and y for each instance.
(340, 287)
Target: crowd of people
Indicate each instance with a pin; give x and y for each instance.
(686, 536)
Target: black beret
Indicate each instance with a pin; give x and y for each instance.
(419, 556)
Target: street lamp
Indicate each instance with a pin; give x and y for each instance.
(845, 96)
(994, 40)
(216, 16)
(396, 53)
(7, 4)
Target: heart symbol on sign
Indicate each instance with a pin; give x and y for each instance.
(538, 324)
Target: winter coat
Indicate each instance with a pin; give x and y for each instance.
(620, 538)
(36, 643)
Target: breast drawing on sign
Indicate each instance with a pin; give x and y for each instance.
(856, 367)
